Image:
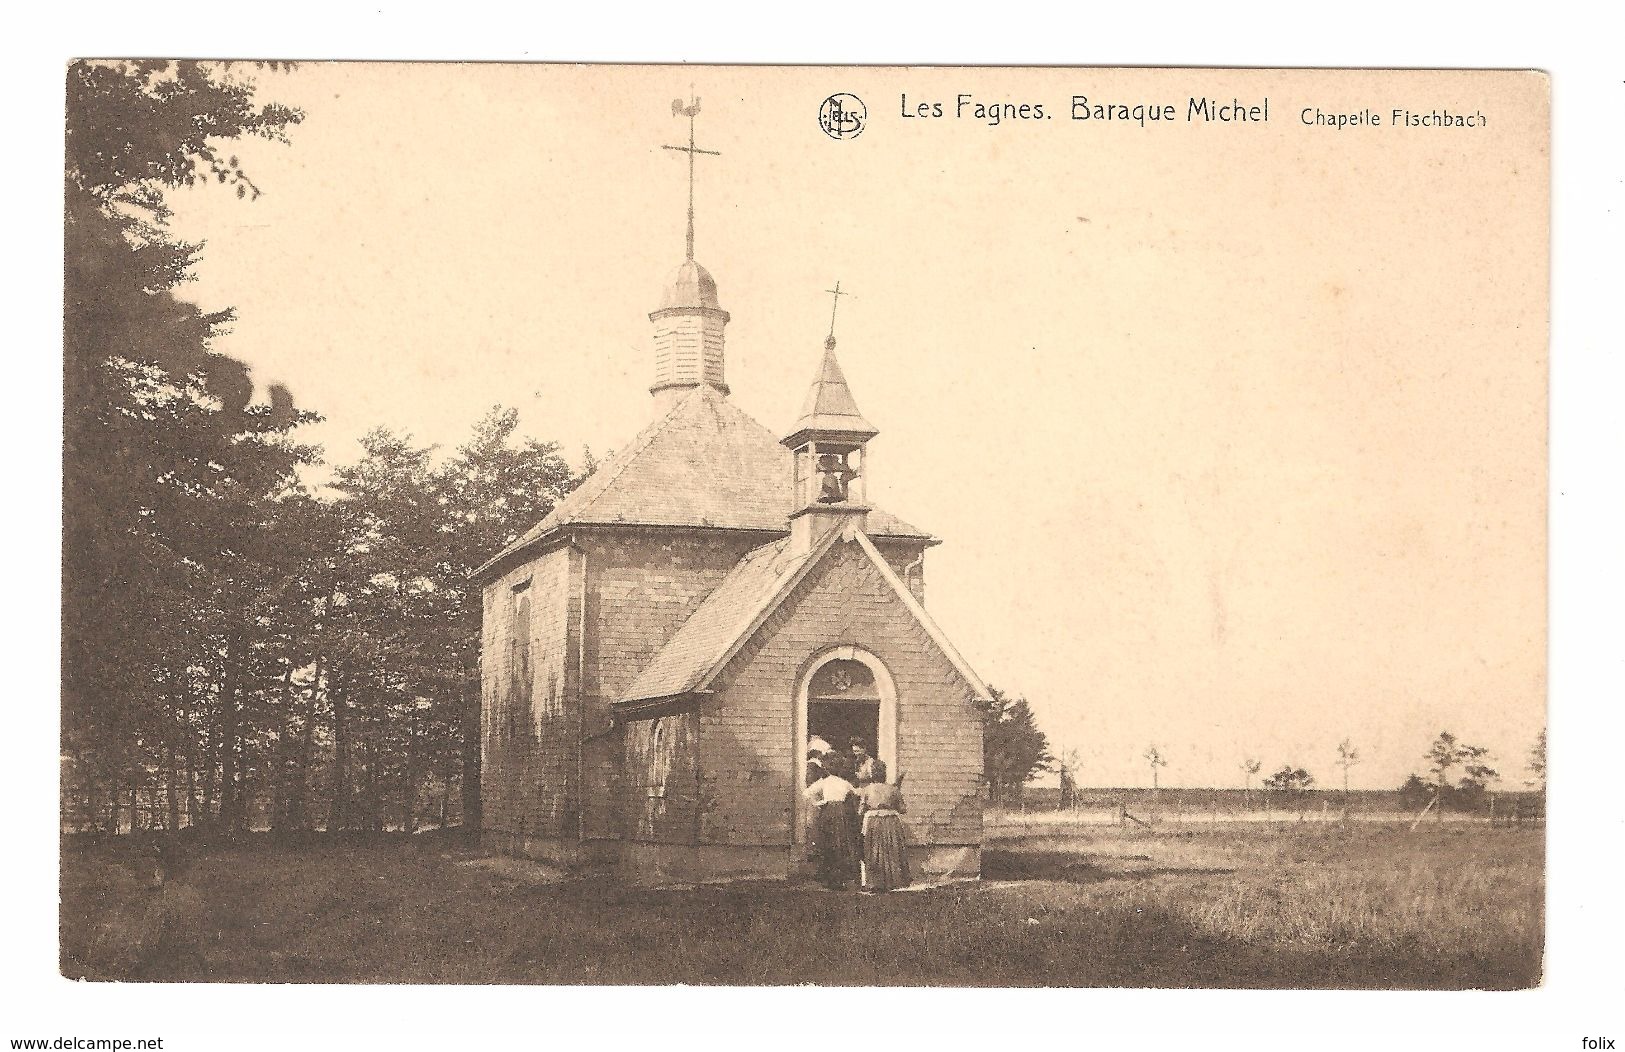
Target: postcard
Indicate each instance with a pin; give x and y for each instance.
(774, 525)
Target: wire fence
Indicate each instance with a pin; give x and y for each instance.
(1144, 809)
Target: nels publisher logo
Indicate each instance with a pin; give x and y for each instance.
(843, 116)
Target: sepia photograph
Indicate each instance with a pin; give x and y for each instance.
(722, 526)
(735, 526)
(762, 526)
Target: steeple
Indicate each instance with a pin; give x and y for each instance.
(689, 323)
(830, 443)
(829, 410)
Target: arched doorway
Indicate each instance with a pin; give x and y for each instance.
(842, 693)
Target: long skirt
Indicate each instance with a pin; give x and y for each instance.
(885, 852)
(837, 844)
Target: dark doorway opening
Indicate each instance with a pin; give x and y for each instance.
(838, 722)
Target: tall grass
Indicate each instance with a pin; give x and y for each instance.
(1321, 907)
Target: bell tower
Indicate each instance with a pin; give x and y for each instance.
(830, 443)
(688, 337)
(689, 323)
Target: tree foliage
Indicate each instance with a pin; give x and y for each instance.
(1415, 792)
(1448, 753)
(1348, 757)
(1444, 756)
(237, 649)
(1155, 759)
(1293, 781)
(169, 469)
(1014, 750)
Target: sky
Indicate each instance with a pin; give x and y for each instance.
(1234, 433)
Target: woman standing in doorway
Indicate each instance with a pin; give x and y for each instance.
(869, 767)
(836, 841)
(885, 852)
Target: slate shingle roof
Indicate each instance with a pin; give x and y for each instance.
(830, 405)
(731, 614)
(691, 285)
(727, 616)
(704, 463)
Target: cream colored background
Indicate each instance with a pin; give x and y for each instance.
(1235, 434)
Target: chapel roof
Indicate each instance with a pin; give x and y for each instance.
(726, 615)
(721, 626)
(704, 463)
(829, 406)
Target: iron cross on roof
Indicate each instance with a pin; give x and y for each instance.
(690, 110)
(834, 305)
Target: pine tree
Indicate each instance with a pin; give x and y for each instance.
(168, 469)
(1014, 750)
(1447, 753)
(1537, 762)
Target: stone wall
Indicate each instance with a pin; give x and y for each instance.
(749, 766)
(662, 779)
(565, 633)
(530, 719)
(640, 586)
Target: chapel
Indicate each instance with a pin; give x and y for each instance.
(657, 653)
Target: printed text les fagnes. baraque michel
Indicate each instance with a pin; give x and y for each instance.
(1083, 108)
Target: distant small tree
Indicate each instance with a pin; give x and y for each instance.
(1347, 756)
(1445, 755)
(1154, 757)
(1290, 779)
(1249, 768)
(1068, 763)
(1293, 783)
(1537, 763)
(1415, 792)
(1477, 775)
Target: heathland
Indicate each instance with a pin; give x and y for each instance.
(1294, 904)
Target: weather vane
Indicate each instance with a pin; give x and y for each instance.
(834, 305)
(690, 110)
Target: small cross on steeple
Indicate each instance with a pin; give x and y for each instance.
(830, 447)
(690, 110)
(835, 304)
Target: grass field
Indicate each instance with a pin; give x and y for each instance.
(1364, 906)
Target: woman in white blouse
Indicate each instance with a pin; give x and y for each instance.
(837, 845)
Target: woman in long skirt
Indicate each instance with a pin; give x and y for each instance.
(885, 852)
(836, 841)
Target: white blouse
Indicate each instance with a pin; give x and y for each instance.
(830, 789)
